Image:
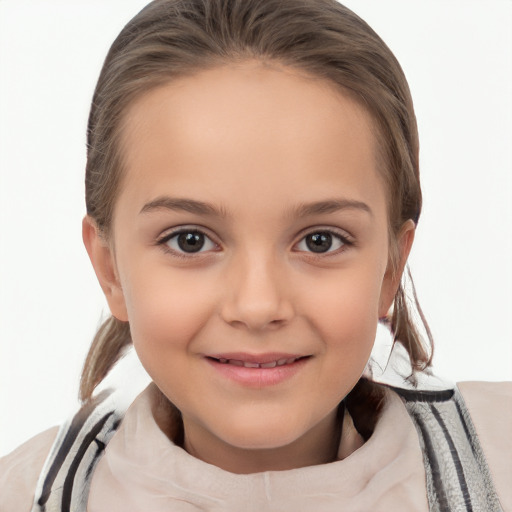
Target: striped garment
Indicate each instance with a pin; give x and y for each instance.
(457, 476)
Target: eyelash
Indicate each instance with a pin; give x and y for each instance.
(163, 241)
(345, 239)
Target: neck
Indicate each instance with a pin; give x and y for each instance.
(317, 446)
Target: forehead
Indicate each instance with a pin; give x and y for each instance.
(249, 130)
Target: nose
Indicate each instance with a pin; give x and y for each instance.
(257, 296)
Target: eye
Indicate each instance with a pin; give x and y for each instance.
(188, 241)
(322, 242)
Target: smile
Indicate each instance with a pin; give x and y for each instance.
(251, 364)
(257, 371)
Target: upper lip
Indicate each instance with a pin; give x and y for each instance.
(268, 357)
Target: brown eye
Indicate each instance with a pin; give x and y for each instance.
(319, 242)
(322, 242)
(188, 242)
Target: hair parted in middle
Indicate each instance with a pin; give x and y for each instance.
(170, 39)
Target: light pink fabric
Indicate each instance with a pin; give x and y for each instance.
(20, 470)
(143, 471)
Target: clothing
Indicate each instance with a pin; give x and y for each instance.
(143, 471)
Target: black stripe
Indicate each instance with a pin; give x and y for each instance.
(74, 429)
(476, 450)
(430, 454)
(456, 460)
(466, 429)
(92, 464)
(424, 396)
(73, 467)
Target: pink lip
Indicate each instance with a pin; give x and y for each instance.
(255, 358)
(257, 377)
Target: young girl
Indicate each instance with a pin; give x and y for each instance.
(252, 195)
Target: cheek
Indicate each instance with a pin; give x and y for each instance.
(344, 314)
(165, 312)
(346, 303)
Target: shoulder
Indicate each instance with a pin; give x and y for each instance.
(478, 394)
(490, 407)
(19, 472)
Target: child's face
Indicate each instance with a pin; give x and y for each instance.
(251, 226)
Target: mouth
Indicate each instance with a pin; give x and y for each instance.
(258, 370)
(257, 361)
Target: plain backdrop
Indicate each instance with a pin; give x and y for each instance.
(457, 55)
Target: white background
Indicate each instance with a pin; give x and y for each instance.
(457, 56)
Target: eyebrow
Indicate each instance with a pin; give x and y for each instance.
(183, 204)
(302, 210)
(329, 206)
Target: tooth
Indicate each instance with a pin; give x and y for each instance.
(222, 360)
(251, 365)
(273, 364)
(281, 362)
(236, 362)
(292, 360)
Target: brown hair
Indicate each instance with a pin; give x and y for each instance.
(171, 38)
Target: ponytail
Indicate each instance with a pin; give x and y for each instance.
(106, 349)
(405, 331)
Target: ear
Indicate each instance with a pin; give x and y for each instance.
(394, 273)
(103, 262)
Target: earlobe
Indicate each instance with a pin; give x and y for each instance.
(103, 261)
(394, 272)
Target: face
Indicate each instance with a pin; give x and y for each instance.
(249, 254)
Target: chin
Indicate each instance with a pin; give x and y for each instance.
(262, 435)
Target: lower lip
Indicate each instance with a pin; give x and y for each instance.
(258, 377)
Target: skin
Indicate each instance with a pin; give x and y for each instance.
(257, 142)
